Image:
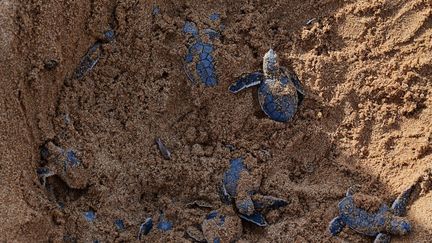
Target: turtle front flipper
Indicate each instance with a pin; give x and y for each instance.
(398, 225)
(399, 205)
(382, 238)
(268, 202)
(246, 81)
(336, 226)
(296, 81)
(256, 218)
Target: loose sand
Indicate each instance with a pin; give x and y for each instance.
(366, 120)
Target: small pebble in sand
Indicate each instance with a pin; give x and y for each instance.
(50, 64)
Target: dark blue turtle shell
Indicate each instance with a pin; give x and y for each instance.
(200, 55)
(279, 98)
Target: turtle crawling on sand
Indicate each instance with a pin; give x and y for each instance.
(387, 221)
(237, 187)
(241, 202)
(279, 93)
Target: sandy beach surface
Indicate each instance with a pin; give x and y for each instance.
(365, 122)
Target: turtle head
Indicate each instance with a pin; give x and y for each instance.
(399, 226)
(270, 64)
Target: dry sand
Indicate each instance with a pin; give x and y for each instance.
(366, 120)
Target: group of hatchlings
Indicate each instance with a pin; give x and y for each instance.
(280, 93)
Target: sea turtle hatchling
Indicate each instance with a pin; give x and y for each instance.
(387, 221)
(224, 224)
(279, 93)
(64, 163)
(237, 187)
(199, 62)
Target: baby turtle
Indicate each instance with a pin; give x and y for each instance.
(237, 187)
(92, 56)
(279, 93)
(200, 54)
(387, 221)
(224, 224)
(63, 163)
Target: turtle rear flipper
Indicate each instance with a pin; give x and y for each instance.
(145, 227)
(399, 205)
(382, 238)
(300, 91)
(296, 81)
(336, 226)
(190, 28)
(246, 81)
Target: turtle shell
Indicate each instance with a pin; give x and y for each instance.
(278, 98)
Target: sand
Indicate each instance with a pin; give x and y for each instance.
(366, 119)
